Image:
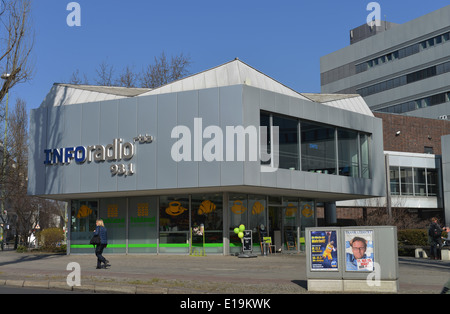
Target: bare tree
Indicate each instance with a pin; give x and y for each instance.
(162, 72)
(105, 73)
(76, 79)
(16, 43)
(127, 78)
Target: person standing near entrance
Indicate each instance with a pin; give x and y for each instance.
(434, 233)
(101, 231)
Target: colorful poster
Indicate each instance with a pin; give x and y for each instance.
(359, 250)
(324, 248)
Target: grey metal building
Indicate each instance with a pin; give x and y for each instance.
(156, 165)
(397, 68)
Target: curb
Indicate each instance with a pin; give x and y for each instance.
(58, 285)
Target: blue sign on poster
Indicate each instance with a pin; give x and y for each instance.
(324, 247)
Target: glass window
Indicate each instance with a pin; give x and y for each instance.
(348, 153)
(207, 218)
(83, 214)
(257, 212)
(113, 211)
(290, 222)
(406, 179)
(237, 207)
(365, 144)
(143, 231)
(420, 188)
(432, 182)
(318, 148)
(288, 142)
(265, 143)
(174, 224)
(394, 180)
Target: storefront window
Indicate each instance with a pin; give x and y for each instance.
(237, 207)
(174, 224)
(348, 153)
(318, 148)
(290, 223)
(113, 211)
(83, 216)
(257, 212)
(143, 231)
(308, 219)
(207, 218)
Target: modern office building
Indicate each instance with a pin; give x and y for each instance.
(221, 148)
(415, 172)
(403, 73)
(397, 68)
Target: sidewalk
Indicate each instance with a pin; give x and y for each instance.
(174, 274)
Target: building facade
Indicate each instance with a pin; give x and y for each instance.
(221, 148)
(402, 68)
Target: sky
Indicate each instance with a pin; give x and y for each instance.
(284, 39)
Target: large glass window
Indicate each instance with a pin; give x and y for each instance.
(207, 218)
(318, 148)
(265, 143)
(406, 179)
(257, 212)
(237, 207)
(174, 224)
(83, 215)
(394, 176)
(432, 182)
(348, 153)
(288, 142)
(420, 188)
(143, 231)
(290, 222)
(365, 144)
(113, 211)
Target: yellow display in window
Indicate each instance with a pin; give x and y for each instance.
(307, 211)
(175, 209)
(84, 212)
(257, 208)
(291, 210)
(206, 207)
(238, 208)
(142, 209)
(113, 211)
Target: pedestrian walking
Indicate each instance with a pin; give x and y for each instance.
(101, 231)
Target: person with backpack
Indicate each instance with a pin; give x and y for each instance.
(434, 234)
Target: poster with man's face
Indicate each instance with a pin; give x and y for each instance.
(359, 250)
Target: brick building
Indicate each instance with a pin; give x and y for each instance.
(414, 166)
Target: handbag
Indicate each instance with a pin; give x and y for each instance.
(95, 240)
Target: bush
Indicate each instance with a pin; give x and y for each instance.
(50, 239)
(413, 237)
(22, 249)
